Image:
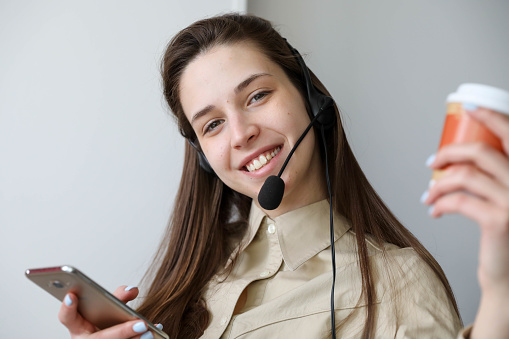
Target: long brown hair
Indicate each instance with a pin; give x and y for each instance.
(209, 218)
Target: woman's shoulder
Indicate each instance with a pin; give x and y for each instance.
(406, 280)
(402, 266)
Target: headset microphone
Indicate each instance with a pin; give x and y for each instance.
(322, 108)
(273, 189)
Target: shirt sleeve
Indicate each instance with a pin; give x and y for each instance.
(415, 301)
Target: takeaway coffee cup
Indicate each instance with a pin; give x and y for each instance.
(459, 127)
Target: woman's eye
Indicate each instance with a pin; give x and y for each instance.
(258, 96)
(213, 125)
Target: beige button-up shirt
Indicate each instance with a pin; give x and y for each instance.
(285, 272)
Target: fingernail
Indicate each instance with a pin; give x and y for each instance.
(68, 300)
(469, 107)
(430, 159)
(128, 288)
(147, 335)
(159, 326)
(424, 196)
(431, 209)
(140, 327)
(431, 183)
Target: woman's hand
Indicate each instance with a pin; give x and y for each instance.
(476, 184)
(80, 328)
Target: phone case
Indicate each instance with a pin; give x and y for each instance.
(96, 304)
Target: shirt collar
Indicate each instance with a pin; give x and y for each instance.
(256, 216)
(302, 233)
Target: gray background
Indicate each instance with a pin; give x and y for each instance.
(90, 161)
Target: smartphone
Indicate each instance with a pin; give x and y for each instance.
(96, 304)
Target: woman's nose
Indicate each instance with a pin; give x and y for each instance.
(243, 132)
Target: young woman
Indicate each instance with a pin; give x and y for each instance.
(229, 268)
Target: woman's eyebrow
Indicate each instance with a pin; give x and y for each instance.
(202, 113)
(249, 80)
(237, 90)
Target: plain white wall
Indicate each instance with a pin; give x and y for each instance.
(390, 65)
(89, 158)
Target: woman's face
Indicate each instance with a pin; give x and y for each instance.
(247, 116)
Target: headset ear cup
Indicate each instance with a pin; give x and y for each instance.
(204, 163)
(327, 114)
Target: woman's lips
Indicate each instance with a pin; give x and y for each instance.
(262, 160)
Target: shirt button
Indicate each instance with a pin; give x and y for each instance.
(271, 229)
(223, 321)
(264, 274)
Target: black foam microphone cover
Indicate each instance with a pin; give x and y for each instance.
(271, 193)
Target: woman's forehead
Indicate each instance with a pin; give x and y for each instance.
(220, 70)
(224, 62)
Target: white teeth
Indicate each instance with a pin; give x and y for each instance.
(257, 164)
(262, 160)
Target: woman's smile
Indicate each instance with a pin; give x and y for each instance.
(262, 160)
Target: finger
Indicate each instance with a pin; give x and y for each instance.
(498, 123)
(493, 267)
(470, 206)
(70, 318)
(469, 179)
(126, 293)
(481, 155)
(131, 329)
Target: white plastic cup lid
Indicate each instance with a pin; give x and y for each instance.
(481, 95)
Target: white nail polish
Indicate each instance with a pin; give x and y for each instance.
(140, 327)
(431, 209)
(128, 288)
(432, 182)
(424, 196)
(469, 107)
(147, 335)
(68, 300)
(430, 159)
(159, 326)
